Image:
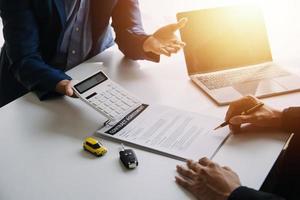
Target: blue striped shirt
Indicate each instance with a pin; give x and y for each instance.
(76, 41)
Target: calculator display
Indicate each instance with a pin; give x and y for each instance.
(90, 82)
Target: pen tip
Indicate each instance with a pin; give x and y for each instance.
(216, 128)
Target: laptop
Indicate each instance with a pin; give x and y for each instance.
(228, 54)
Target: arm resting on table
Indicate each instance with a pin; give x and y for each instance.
(21, 36)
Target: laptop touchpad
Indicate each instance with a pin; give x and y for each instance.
(291, 82)
(258, 88)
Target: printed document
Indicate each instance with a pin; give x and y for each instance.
(169, 131)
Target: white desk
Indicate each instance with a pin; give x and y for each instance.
(41, 142)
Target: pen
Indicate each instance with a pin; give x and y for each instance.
(253, 109)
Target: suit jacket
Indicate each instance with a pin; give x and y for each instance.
(33, 30)
(290, 175)
(244, 193)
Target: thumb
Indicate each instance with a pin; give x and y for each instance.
(180, 24)
(242, 119)
(68, 89)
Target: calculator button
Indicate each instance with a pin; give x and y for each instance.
(118, 97)
(130, 103)
(112, 108)
(102, 99)
(123, 108)
(118, 112)
(105, 112)
(100, 108)
(124, 101)
(112, 99)
(118, 103)
(114, 113)
(107, 95)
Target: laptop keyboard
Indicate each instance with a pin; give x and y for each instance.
(232, 77)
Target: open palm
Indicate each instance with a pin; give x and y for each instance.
(164, 41)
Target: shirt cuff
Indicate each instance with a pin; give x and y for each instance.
(48, 85)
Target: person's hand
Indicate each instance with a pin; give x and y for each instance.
(207, 180)
(164, 41)
(64, 87)
(264, 117)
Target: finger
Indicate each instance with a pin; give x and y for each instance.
(180, 24)
(171, 49)
(253, 99)
(195, 166)
(186, 172)
(176, 46)
(227, 168)
(207, 162)
(237, 107)
(212, 165)
(242, 119)
(183, 183)
(235, 129)
(74, 96)
(180, 43)
(229, 113)
(201, 174)
(68, 89)
(63, 87)
(162, 51)
(204, 161)
(165, 51)
(157, 52)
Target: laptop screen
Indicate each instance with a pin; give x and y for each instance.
(224, 38)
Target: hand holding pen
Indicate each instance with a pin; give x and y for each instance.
(247, 112)
(251, 111)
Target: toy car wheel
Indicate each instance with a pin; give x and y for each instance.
(95, 154)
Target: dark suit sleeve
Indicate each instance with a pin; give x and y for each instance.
(291, 119)
(130, 35)
(244, 193)
(21, 36)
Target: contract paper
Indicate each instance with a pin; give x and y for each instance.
(169, 131)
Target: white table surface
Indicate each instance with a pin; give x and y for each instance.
(41, 142)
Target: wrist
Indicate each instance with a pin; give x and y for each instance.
(278, 118)
(223, 197)
(146, 44)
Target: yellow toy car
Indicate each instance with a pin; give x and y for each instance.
(94, 146)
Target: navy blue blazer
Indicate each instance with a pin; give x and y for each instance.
(32, 32)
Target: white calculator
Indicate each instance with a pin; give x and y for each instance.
(106, 96)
